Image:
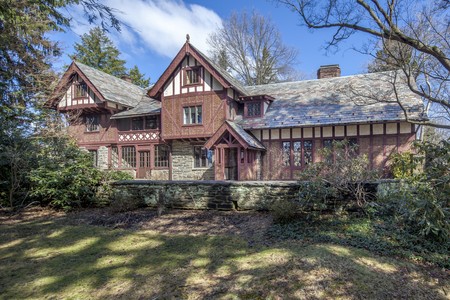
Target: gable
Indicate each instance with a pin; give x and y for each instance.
(173, 80)
(190, 77)
(114, 92)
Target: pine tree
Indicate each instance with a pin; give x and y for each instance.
(98, 51)
(138, 78)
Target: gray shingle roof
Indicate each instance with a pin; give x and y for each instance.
(351, 99)
(147, 106)
(112, 88)
(249, 139)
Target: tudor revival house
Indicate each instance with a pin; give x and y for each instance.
(199, 123)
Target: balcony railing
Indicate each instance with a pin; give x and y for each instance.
(139, 135)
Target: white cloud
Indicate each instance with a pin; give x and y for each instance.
(162, 25)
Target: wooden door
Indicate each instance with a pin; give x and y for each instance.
(144, 164)
(230, 163)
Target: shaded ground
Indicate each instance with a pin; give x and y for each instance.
(191, 255)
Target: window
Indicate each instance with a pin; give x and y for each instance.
(94, 155)
(128, 157)
(144, 159)
(254, 109)
(92, 123)
(161, 156)
(286, 153)
(301, 156)
(137, 123)
(151, 122)
(203, 157)
(192, 115)
(192, 76)
(80, 90)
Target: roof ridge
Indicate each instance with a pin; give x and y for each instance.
(322, 79)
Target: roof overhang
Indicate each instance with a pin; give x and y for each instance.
(245, 139)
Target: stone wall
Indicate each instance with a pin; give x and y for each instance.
(183, 163)
(223, 195)
(102, 156)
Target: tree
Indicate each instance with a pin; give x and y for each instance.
(421, 25)
(138, 78)
(98, 51)
(252, 49)
(26, 78)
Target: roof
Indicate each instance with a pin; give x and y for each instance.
(221, 75)
(251, 141)
(233, 81)
(247, 140)
(147, 106)
(112, 88)
(351, 99)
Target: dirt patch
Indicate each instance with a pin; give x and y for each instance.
(250, 225)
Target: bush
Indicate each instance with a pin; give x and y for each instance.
(422, 199)
(65, 177)
(342, 177)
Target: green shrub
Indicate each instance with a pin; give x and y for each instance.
(422, 200)
(65, 177)
(402, 164)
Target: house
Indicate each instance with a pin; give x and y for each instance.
(199, 123)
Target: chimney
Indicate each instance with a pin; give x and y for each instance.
(328, 71)
(126, 78)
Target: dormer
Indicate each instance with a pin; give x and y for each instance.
(255, 106)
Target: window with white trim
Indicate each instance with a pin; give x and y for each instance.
(203, 158)
(192, 115)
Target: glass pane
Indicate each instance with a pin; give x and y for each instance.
(297, 154)
(151, 122)
(286, 155)
(186, 116)
(308, 159)
(199, 114)
(137, 124)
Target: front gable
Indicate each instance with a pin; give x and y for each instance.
(176, 78)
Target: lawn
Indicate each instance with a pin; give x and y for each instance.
(193, 255)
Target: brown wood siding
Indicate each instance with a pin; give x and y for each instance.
(377, 147)
(213, 115)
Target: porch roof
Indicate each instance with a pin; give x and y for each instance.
(247, 140)
(147, 106)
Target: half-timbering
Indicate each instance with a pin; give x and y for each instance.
(199, 123)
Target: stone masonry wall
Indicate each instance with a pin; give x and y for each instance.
(222, 195)
(102, 156)
(183, 163)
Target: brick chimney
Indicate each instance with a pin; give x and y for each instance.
(126, 78)
(328, 71)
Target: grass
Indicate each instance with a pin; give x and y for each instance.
(54, 259)
(379, 235)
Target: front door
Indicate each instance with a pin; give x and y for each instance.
(144, 164)
(231, 166)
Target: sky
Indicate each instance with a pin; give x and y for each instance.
(153, 31)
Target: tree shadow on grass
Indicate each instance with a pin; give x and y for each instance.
(47, 258)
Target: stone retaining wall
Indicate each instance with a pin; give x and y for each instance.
(222, 195)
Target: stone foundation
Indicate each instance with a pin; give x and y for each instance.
(183, 163)
(222, 195)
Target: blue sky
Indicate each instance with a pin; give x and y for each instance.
(155, 30)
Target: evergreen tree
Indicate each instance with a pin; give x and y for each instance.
(138, 78)
(98, 51)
